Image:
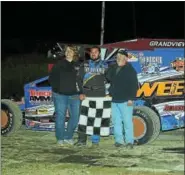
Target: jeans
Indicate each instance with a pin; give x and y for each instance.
(61, 104)
(122, 121)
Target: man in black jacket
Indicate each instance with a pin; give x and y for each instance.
(123, 89)
(92, 78)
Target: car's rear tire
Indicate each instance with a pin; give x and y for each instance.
(147, 125)
(11, 117)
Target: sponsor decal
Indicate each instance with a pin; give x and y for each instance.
(178, 64)
(40, 93)
(150, 64)
(30, 112)
(40, 96)
(166, 44)
(94, 70)
(47, 125)
(151, 59)
(36, 124)
(161, 89)
(42, 111)
(174, 108)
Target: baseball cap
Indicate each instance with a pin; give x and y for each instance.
(123, 52)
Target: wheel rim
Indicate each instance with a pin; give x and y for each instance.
(4, 119)
(139, 127)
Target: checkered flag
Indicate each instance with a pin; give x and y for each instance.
(95, 116)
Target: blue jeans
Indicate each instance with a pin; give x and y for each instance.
(122, 121)
(61, 104)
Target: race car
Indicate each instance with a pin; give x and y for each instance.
(159, 88)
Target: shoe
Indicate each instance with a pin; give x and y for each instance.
(69, 142)
(80, 144)
(129, 146)
(118, 145)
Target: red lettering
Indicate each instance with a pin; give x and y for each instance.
(40, 93)
(174, 108)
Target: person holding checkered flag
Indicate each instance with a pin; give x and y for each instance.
(95, 109)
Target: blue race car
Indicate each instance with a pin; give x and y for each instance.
(160, 99)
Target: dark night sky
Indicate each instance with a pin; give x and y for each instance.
(79, 22)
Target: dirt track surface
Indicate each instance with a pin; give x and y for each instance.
(29, 152)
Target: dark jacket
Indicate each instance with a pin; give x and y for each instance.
(63, 77)
(92, 78)
(124, 83)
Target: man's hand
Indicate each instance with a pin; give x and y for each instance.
(130, 103)
(82, 96)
